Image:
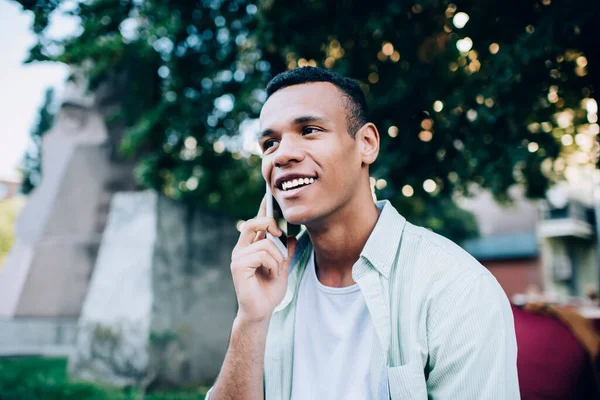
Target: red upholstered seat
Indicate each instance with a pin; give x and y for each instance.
(551, 362)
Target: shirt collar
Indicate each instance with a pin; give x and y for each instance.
(383, 243)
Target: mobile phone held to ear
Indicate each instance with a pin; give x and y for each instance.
(280, 242)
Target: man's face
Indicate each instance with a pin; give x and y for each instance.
(309, 160)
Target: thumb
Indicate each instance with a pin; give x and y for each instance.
(291, 245)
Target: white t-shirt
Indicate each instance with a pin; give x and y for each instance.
(333, 339)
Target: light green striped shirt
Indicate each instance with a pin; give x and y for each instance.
(444, 326)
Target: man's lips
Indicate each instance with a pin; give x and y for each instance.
(294, 192)
(284, 182)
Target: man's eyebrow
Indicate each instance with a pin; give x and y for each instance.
(309, 118)
(266, 132)
(297, 121)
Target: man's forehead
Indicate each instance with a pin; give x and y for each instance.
(314, 98)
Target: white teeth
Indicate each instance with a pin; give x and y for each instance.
(296, 182)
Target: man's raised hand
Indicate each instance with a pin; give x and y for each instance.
(260, 273)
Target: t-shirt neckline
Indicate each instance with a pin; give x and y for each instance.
(328, 289)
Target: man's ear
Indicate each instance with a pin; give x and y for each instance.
(368, 143)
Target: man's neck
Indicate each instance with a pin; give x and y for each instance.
(340, 240)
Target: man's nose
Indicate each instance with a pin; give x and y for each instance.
(288, 151)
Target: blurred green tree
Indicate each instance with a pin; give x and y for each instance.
(464, 92)
(32, 162)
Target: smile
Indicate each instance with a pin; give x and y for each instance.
(296, 182)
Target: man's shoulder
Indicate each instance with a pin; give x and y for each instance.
(440, 270)
(439, 257)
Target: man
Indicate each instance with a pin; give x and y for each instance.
(369, 306)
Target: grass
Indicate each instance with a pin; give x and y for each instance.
(37, 378)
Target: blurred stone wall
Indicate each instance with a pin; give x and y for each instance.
(161, 301)
(194, 298)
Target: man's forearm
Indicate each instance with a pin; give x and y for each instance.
(241, 375)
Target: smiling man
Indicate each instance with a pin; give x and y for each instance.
(369, 306)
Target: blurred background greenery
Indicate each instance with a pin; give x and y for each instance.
(37, 378)
(490, 93)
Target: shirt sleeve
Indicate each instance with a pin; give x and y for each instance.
(472, 343)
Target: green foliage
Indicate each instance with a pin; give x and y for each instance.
(9, 210)
(35, 378)
(32, 162)
(195, 72)
(162, 338)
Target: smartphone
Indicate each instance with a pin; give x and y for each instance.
(275, 212)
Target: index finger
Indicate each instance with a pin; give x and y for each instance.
(262, 211)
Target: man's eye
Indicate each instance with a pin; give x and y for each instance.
(268, 144)
(308, 130)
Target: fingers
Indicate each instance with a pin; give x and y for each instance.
(254, 229)
(262, 210)
(265, 254)
(254, 261)
(262, 245)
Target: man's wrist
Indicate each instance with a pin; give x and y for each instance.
(242, 320)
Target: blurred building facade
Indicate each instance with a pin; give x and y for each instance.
(45, 276)
(508, 245)
(544, 247)
(568, 235)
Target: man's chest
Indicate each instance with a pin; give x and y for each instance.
(336, 353)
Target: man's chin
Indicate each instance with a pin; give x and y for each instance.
(297, 220)
(298, 215)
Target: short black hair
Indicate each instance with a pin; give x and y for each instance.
(355, 102)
